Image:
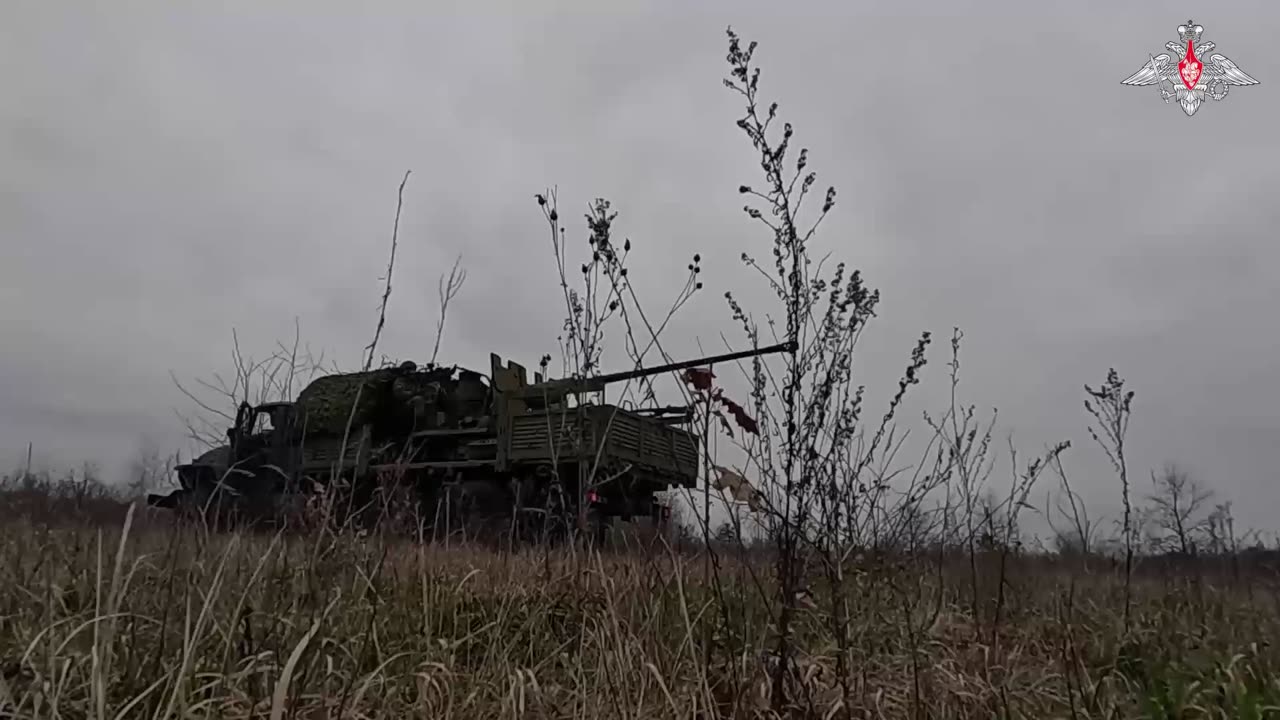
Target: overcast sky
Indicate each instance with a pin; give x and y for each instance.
(171, 171)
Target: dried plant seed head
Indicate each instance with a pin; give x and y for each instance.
(541, 200)
(697, 257)
(626, 245)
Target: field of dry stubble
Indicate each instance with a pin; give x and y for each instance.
(158, 621)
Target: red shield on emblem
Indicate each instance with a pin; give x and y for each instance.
(1190, 67)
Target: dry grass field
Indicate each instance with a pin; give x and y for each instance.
(142, 619)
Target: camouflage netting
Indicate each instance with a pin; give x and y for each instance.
(325, 405)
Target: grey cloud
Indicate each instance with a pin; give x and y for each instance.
(171, 174)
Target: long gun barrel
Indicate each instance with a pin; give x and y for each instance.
(597, 383)
(686, 364)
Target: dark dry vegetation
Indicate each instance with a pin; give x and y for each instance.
(879, 587)
(156, 619)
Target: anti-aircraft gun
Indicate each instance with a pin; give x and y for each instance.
(549, 448)
(469, 446)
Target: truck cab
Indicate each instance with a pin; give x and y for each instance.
(263, 436)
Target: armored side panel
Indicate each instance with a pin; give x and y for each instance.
(648, 444)
(548, 437)
(508, 379)
(320, 454)
(561, 435)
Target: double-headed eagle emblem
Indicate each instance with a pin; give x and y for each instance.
(1189, 78)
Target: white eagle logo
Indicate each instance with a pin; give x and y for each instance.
(1190, 79)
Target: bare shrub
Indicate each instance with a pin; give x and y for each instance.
(1178, 511)
(75, 497)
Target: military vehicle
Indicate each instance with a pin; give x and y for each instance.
(469, 449)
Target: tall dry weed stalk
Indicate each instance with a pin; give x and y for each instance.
(1111, 406)
(823, 475)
